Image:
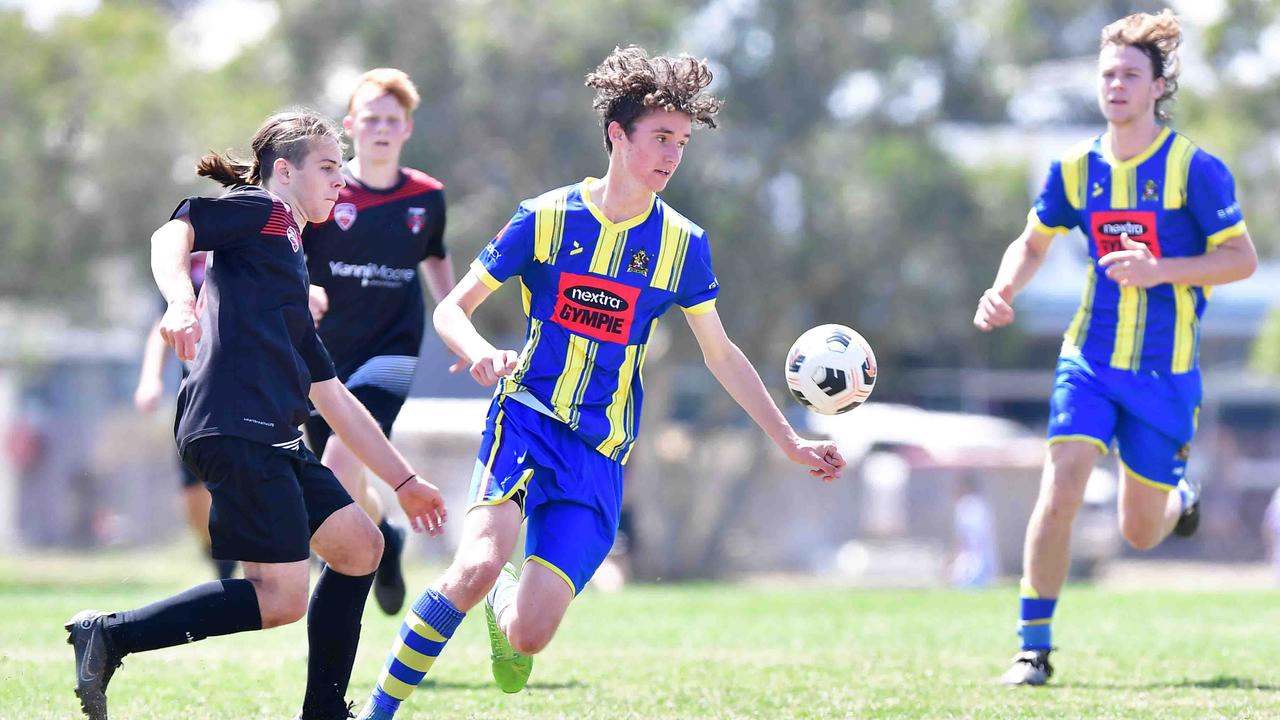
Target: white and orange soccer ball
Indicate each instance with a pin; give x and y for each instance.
(831, 369)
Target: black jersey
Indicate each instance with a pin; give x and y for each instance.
(366, 258)
(259, 351)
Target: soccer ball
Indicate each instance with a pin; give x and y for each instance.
(831, 369)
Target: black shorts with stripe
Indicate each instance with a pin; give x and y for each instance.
(267, 501)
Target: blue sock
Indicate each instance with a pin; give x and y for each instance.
(426, 628)
(1035, 619)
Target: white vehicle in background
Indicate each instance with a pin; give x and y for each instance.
(912, 463)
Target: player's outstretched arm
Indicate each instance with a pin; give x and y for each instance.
(171, 266)
(1022, 259)
(452, 319)
(151, 377)
(420, 499)
(735, 373)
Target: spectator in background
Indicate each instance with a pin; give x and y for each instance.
(974, 562)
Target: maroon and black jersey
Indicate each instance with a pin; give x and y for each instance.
(366, 258)
(259, 351)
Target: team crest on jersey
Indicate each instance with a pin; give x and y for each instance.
(294, 240)
(344, 215)
(1150, 191)
(1183, 453)
(416, 219)
(639, 262)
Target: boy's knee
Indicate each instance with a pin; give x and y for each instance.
(281, 605)
(528, 639)
(1139, 533)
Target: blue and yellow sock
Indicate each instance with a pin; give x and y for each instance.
(1036, 618)
(426, 628)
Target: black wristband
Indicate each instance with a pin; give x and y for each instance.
(406, 482)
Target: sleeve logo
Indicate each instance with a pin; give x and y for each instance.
(1108, 226)
(596, 307)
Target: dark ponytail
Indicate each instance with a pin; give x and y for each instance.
(283, 135)
(225, 169)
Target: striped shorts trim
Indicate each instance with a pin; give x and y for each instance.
(393, 373)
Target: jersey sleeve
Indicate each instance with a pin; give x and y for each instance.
(1211, 198)
(698, 287)
(507, 254)
(225, 222)
(316, 356)
(1052, 212)
(435, 241)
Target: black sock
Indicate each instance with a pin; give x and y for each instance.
(226, 568)
(220, 607)
(333, 632)
(391, 545)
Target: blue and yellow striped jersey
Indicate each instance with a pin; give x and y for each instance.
(593, 291)
(1177, 199)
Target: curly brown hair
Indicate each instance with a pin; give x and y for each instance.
(629, 84)
(1158, 37)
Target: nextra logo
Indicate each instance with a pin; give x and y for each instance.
(598, 298)
(1128, 226)
(597, 307)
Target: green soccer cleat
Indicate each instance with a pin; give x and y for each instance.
(510, 668)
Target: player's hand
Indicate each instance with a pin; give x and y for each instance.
(1133, 266)
(490, 367)
(424, 505)
(317, 302)
(822, 458)
(147, 396)
(180, 328)
(995, 309)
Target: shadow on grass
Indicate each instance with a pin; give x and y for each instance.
(488, 685)
(1220, 682)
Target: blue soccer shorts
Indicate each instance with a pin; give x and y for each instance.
(570, 495)
(1150, 415)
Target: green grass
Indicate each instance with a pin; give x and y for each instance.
(686, 651)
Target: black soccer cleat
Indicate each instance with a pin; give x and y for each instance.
(343, 712)
(1030, 667)
(96, 661)
(1189, 520)
(388, 583)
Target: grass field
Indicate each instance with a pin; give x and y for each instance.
(684, 651)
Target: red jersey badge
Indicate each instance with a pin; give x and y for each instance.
(344, 215)
(416, 219)
(596, 307)
(1106, 227)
